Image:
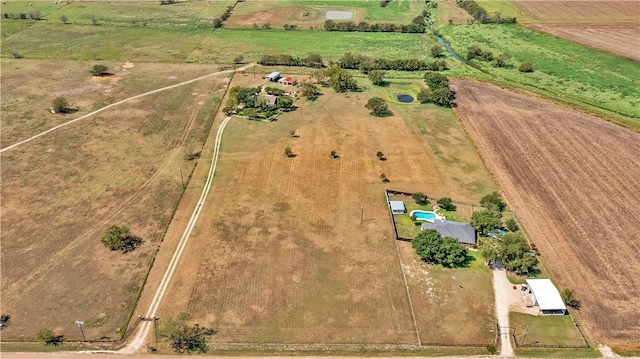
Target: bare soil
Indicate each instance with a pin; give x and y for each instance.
(573, 181)
(280, 254)
(582, 11)
(618, 39)
(61, 191)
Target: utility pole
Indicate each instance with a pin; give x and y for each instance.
(155, 327)
(361, 213)
(526, 331)
(182, 179)
(80, 324)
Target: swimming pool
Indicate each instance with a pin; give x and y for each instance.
(425, 216)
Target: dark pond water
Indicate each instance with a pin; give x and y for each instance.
(405, 98)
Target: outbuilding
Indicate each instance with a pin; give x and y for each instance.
(289, 81)
(397, 207)
(273, 77)
(546, 296)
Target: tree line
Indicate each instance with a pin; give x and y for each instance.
(312, 60)
(219, 21)
(365, 64)
(480, 15)
(438, 92)
(363, 26)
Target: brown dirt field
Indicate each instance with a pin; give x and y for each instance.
(573, 181)
(602, 11)
(282, 256)
(249, 13)
(621, 40)
(448, 10)
(61, 191)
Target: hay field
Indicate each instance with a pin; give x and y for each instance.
(617, 39)
(61, 191)
(592, 12)
(574, 182)
(282, 257)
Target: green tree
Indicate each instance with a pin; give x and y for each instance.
(511, 225)
(424, 96)
(490, 249)
(569, 298)
(340, 80)
(420, 198)
(380, 156)
(48, 337)
(486, 221)
(435, 80)
(334, 154)
(441, 96)
(190, 339)
(60, 105)
(377, 77)
(515, 253)
(378, 107)
(119, 238)
(432, 248)
(525, 67)
(446, 203)
(238, 60)
(437, 50)
(310, 91)
(64, 19)
(502, 60)
(99, 70)
(285, 102)
(383, 178)
(288, 152)
(493, 202)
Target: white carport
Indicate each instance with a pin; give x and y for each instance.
(546, 296)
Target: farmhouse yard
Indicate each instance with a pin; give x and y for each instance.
(575, 196)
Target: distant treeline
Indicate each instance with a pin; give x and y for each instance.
(480, 14)
(416, 26)
(217, 22)
(365, 64)
(313, 60)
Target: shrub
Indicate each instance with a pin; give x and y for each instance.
(525, 67)
(48, 337)
(446, 203)
(436, 50)
(420, 198)
(118, 238)
(60, 105)
(190, 339)
(569, 298)
(99, 70)
(511, 224)
(493, 202)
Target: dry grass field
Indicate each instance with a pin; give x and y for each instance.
(282, 255)
(618, 39)
(61, 191)
(574, 182)
(592, 12)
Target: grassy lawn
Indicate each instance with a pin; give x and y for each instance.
(408, 228)
(545, 329)
(569, 72)
(78, 42)
(558, 353)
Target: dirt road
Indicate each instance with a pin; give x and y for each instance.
(501, 286)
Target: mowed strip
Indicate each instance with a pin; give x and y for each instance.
(282, 255)
(618, 39)
(573, 181)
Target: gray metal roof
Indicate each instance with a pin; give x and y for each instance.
(397, 206)
(463, 232)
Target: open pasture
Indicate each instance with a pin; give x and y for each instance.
(563, 70)
(574, 182)
(144, 44)
(281, 255)
(306, 14)
(617, 39)
(60, 192)
(592, 12)
(29, 87)
(545, 329)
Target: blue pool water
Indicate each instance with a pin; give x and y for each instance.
(429, 216)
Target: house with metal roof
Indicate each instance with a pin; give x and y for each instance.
(274, 76)
(463, 232)
(546, 296)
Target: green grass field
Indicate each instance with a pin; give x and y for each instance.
(545, 329)
(569, 72)
(399, 11)
(558, 353)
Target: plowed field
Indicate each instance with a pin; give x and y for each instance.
(621, 40)
(574, 182)
(582, 11)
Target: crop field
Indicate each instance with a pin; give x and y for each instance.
(306, 14)
(574, 182)
(77, 42)
(60, 192)
(282, 255)
(617, 39)
(563, 70)
(592, 12)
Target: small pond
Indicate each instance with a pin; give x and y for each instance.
(339, 15)
(404, 98)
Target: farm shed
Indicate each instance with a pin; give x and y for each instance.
(290, 81)
(463, 232)
(397, 207)
(273, 77)
(545, 295)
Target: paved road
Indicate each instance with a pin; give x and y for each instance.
(501, 287)
(79, 355)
